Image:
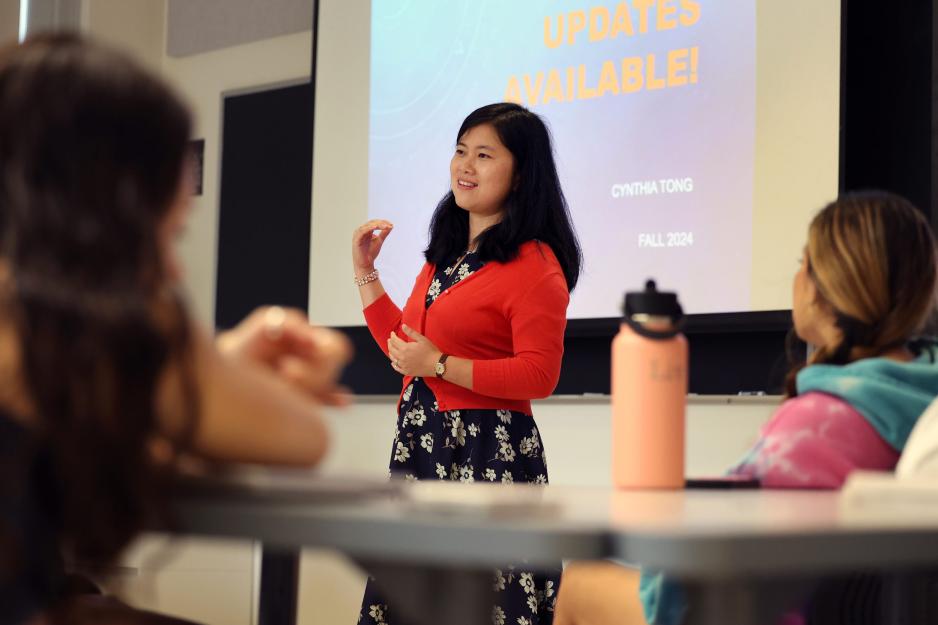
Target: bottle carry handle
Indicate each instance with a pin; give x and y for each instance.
(677, 324)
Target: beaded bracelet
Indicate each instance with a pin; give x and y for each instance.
(365, 279)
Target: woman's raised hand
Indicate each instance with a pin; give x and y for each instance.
(366, 244)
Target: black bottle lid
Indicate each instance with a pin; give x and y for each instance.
(641, 305)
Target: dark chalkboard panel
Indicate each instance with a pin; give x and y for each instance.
(264, 206)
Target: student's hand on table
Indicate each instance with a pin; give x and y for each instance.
(415, 358)
(310, 358)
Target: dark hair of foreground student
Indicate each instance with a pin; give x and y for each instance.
(93, 152)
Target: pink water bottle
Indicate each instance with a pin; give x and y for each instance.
(649, 392)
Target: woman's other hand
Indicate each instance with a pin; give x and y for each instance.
(366, 244)
(415, 358)
(310, 358)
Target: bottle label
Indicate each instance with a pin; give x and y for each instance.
(666, 372)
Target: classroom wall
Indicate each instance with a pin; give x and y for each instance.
(9, 21)
(139, 27)
(136, 26)
(204, 25)
(203, 79)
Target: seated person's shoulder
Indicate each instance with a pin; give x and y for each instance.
(815, 440)
(825, 417)
(809, 407)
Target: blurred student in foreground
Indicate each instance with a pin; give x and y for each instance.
(106, 382)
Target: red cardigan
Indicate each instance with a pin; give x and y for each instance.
(508, 318)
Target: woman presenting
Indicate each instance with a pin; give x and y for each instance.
(481, 334)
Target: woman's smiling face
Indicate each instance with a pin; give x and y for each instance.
(482, 171)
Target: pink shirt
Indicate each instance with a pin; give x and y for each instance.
(815, 440)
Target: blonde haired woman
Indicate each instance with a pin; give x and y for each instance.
(863, 292)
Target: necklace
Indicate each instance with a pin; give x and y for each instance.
(459, 260)
(452, 271)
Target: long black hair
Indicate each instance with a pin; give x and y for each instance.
(535, 208)
(93, 149)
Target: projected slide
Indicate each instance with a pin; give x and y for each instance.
(652, 109)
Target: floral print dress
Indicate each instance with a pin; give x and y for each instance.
(468, 446)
